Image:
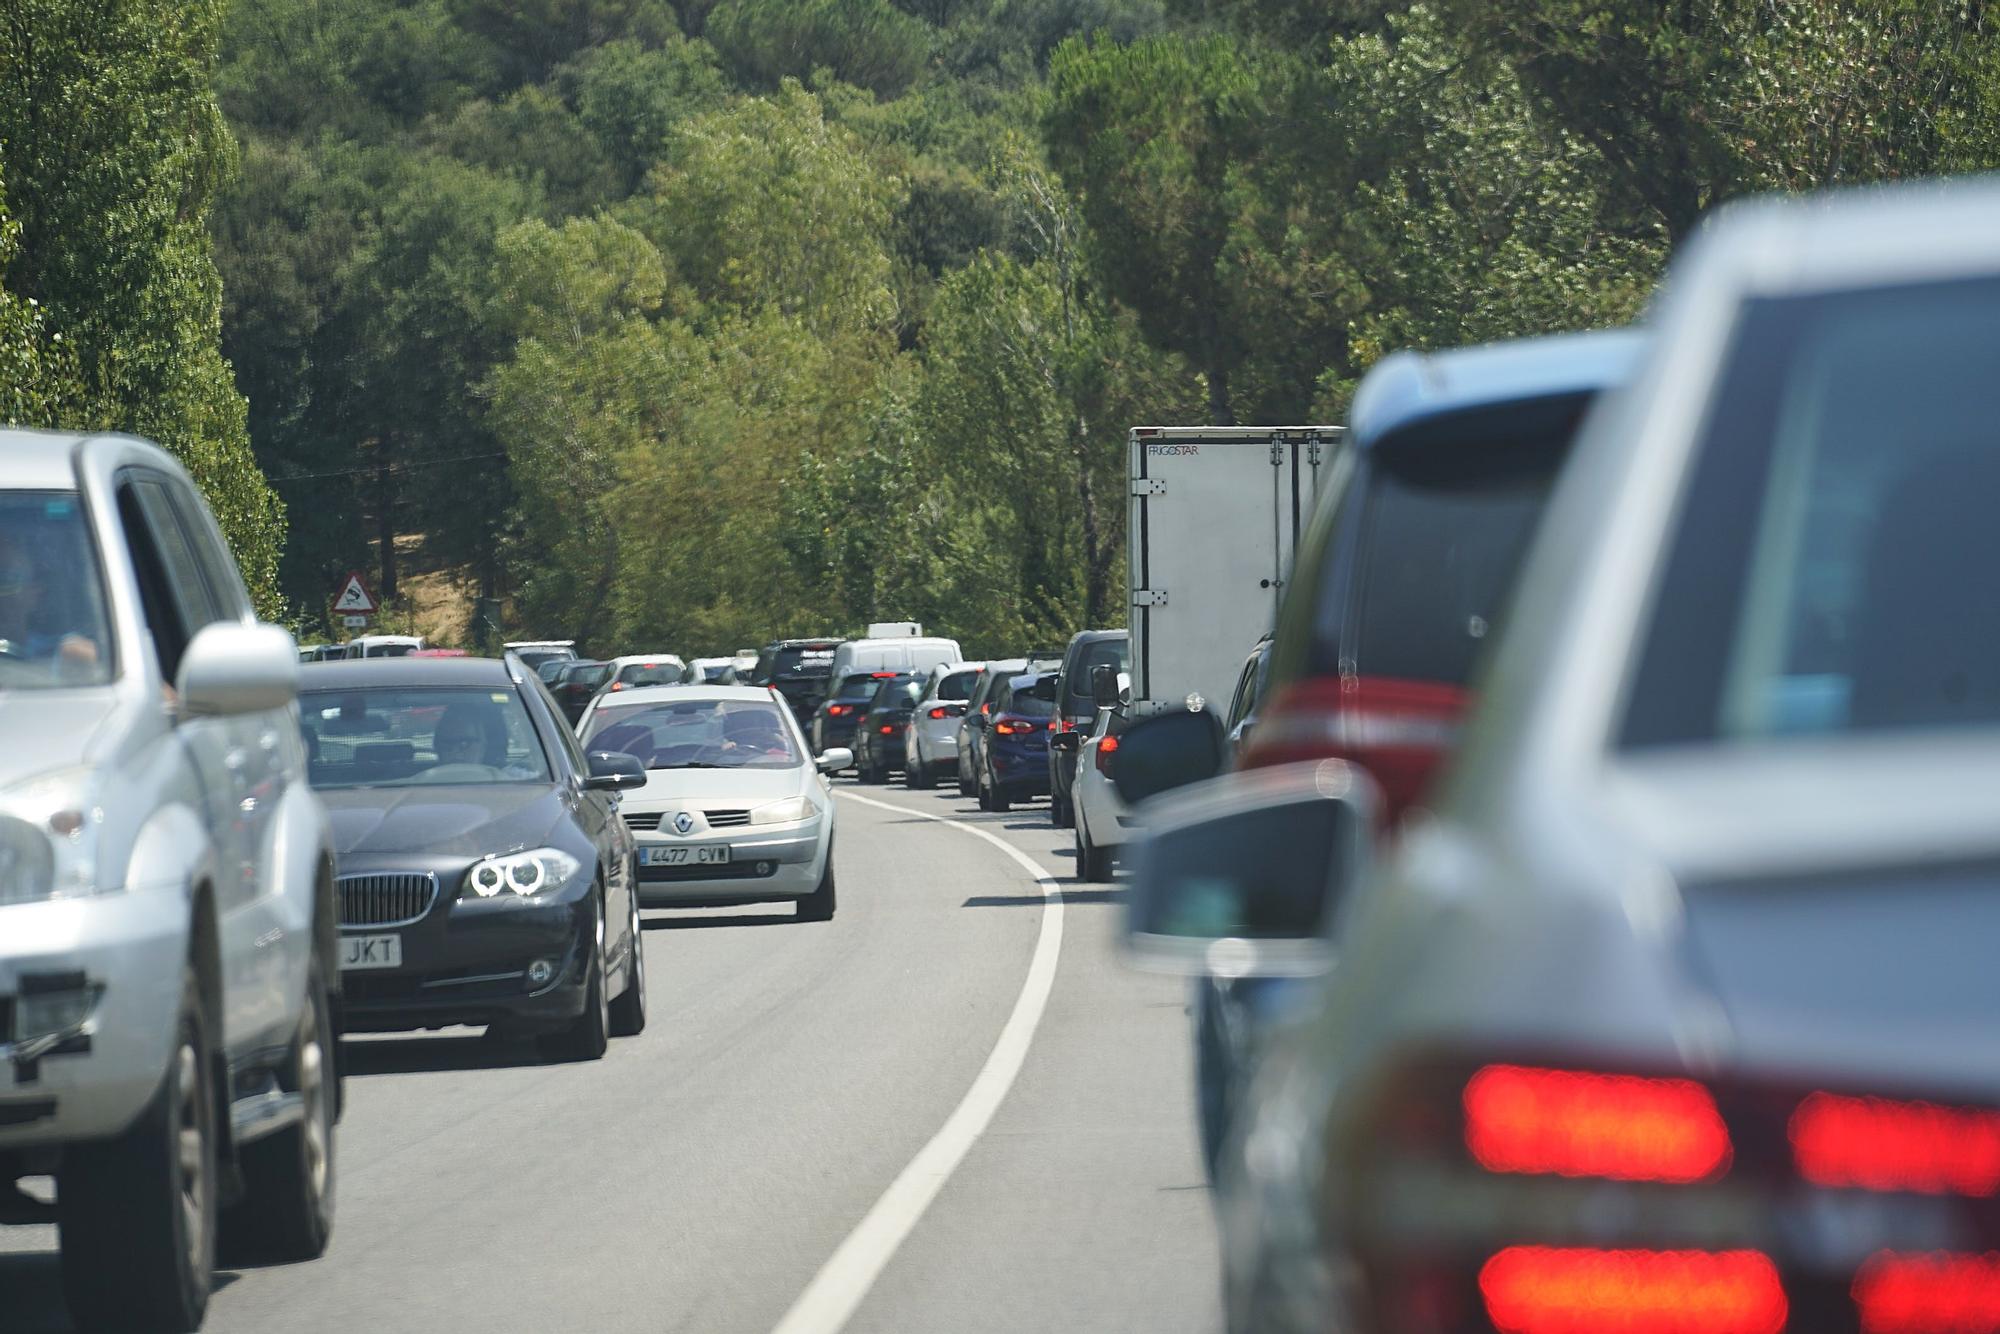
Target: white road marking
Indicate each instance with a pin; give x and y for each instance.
(837, 1290)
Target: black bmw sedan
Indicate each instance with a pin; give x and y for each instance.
(485, 877)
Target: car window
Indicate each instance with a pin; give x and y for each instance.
(186, 584)
(957, 686)
(395, 736)
(650, 674)
(897, 694)
(1444, 526)
(801, 663)
(53, 626)
(1841, 577)
(697, 734)
(1034, 700)
(227, 598)
(862, 685)
(1104, 652)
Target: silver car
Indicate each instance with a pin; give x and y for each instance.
(166, 916)
(735, 808)
(1679, 1012)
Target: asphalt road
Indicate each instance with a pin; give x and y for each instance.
(703, 1174)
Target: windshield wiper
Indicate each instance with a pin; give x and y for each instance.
(693, 764)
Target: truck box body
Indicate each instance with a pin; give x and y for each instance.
(1215, 514)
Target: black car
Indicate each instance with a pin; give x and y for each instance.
(833, 722)
(485, 877)
(878, 739)
(798, 669)
(1077, 708)
(576, 683)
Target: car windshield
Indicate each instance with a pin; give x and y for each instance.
(385, 736)
(651, 674)
(552, 669)
(1841, 576)
(53, 628)
(697, 734)
(588, 678)
(1443, 531)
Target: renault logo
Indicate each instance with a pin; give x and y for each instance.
(684, 823)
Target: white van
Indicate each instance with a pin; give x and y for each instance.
(383, 646)
(910, 653)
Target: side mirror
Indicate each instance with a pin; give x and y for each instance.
(1242, 877)
(231, 668)
(1066, 741)
(834, 760)
(1104, 685)
(1166, 751)
(614, 771)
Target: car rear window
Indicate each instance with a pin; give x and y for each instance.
(1444, 525)
(898, 694)
(1840, 577)
(802, 664)
(862, 685)
(651, 674)
(1034, 701)
(957, 686)
(1104, 652)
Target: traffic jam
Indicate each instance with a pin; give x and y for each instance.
(1563, 790)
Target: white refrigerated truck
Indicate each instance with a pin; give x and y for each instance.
(1215, 514)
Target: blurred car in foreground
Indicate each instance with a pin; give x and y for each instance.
(166, 928)
(485, 877)
(1014, 740)
(930, 741)
(734, 809)
(1402, 579)
(1678, 1009)
(878, 739)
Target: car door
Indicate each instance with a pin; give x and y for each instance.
(596, 813)
(179, 604)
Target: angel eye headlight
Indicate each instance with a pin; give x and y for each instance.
(521, 873)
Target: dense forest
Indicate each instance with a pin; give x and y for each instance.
(679, 324)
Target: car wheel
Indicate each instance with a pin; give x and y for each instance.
(1062, 811)
(818, 905)
(985, 797)
(286, 1213)
(137, 1212)
(1093, 861)
(587, 1038)
(628, 1012)
(966, 787)
(916, 774)
(999, 801)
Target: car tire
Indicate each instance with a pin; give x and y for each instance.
(1092, 862)
(587, 1038)
(917, 774)
(628, 1012)
(818, 905)
(966, 786)
(286, 1213)
(999, 800)
(1062, 810)
(985, 795)
(137, 1212)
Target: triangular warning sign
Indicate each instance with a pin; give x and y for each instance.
(354, 597)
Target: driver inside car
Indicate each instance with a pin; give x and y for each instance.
(29, 627)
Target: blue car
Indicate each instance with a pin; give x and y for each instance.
(1014, 758)
(1401, 581)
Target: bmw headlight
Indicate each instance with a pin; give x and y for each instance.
(521, 873)
(49, 829)
(789, 811)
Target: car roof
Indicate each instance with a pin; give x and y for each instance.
(1096, 636)
(628, 659)
(814, 642)
(1406, 388)
(625, 699)
(359, 673)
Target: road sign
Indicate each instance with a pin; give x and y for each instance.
(354, 622)
(354, 596)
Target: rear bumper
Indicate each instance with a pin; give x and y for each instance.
(132, 946)
(1020, 773)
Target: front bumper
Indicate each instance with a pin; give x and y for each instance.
(767, 863)
(96, 1080)
(471, 961)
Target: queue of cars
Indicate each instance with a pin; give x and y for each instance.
(1626, 850)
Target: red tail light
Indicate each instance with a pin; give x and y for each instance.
(985, 709)
(887, 730)
(940, 713)
(1541, 1290)
(1010, 727)
(1878, 1144)
(1929, 1294)
(1062, 725)
(881, 676)
(617, 685)
(1619, 1127)
(839, 710)
(1105, 750)
(1399, 731)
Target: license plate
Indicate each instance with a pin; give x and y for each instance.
(711, 854)
(370, 952)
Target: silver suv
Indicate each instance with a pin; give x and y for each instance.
(166, 916)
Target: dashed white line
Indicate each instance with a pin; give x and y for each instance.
(837, 1290)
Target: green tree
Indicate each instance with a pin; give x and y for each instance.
(868, 43)
(1158, 139)
(38, 374)
(114, 151)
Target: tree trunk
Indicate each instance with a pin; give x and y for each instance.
(1220, 413)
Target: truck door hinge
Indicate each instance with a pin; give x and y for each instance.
(1277, 453)
(1149, 597)
(1312, 449)
(1149, 486)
